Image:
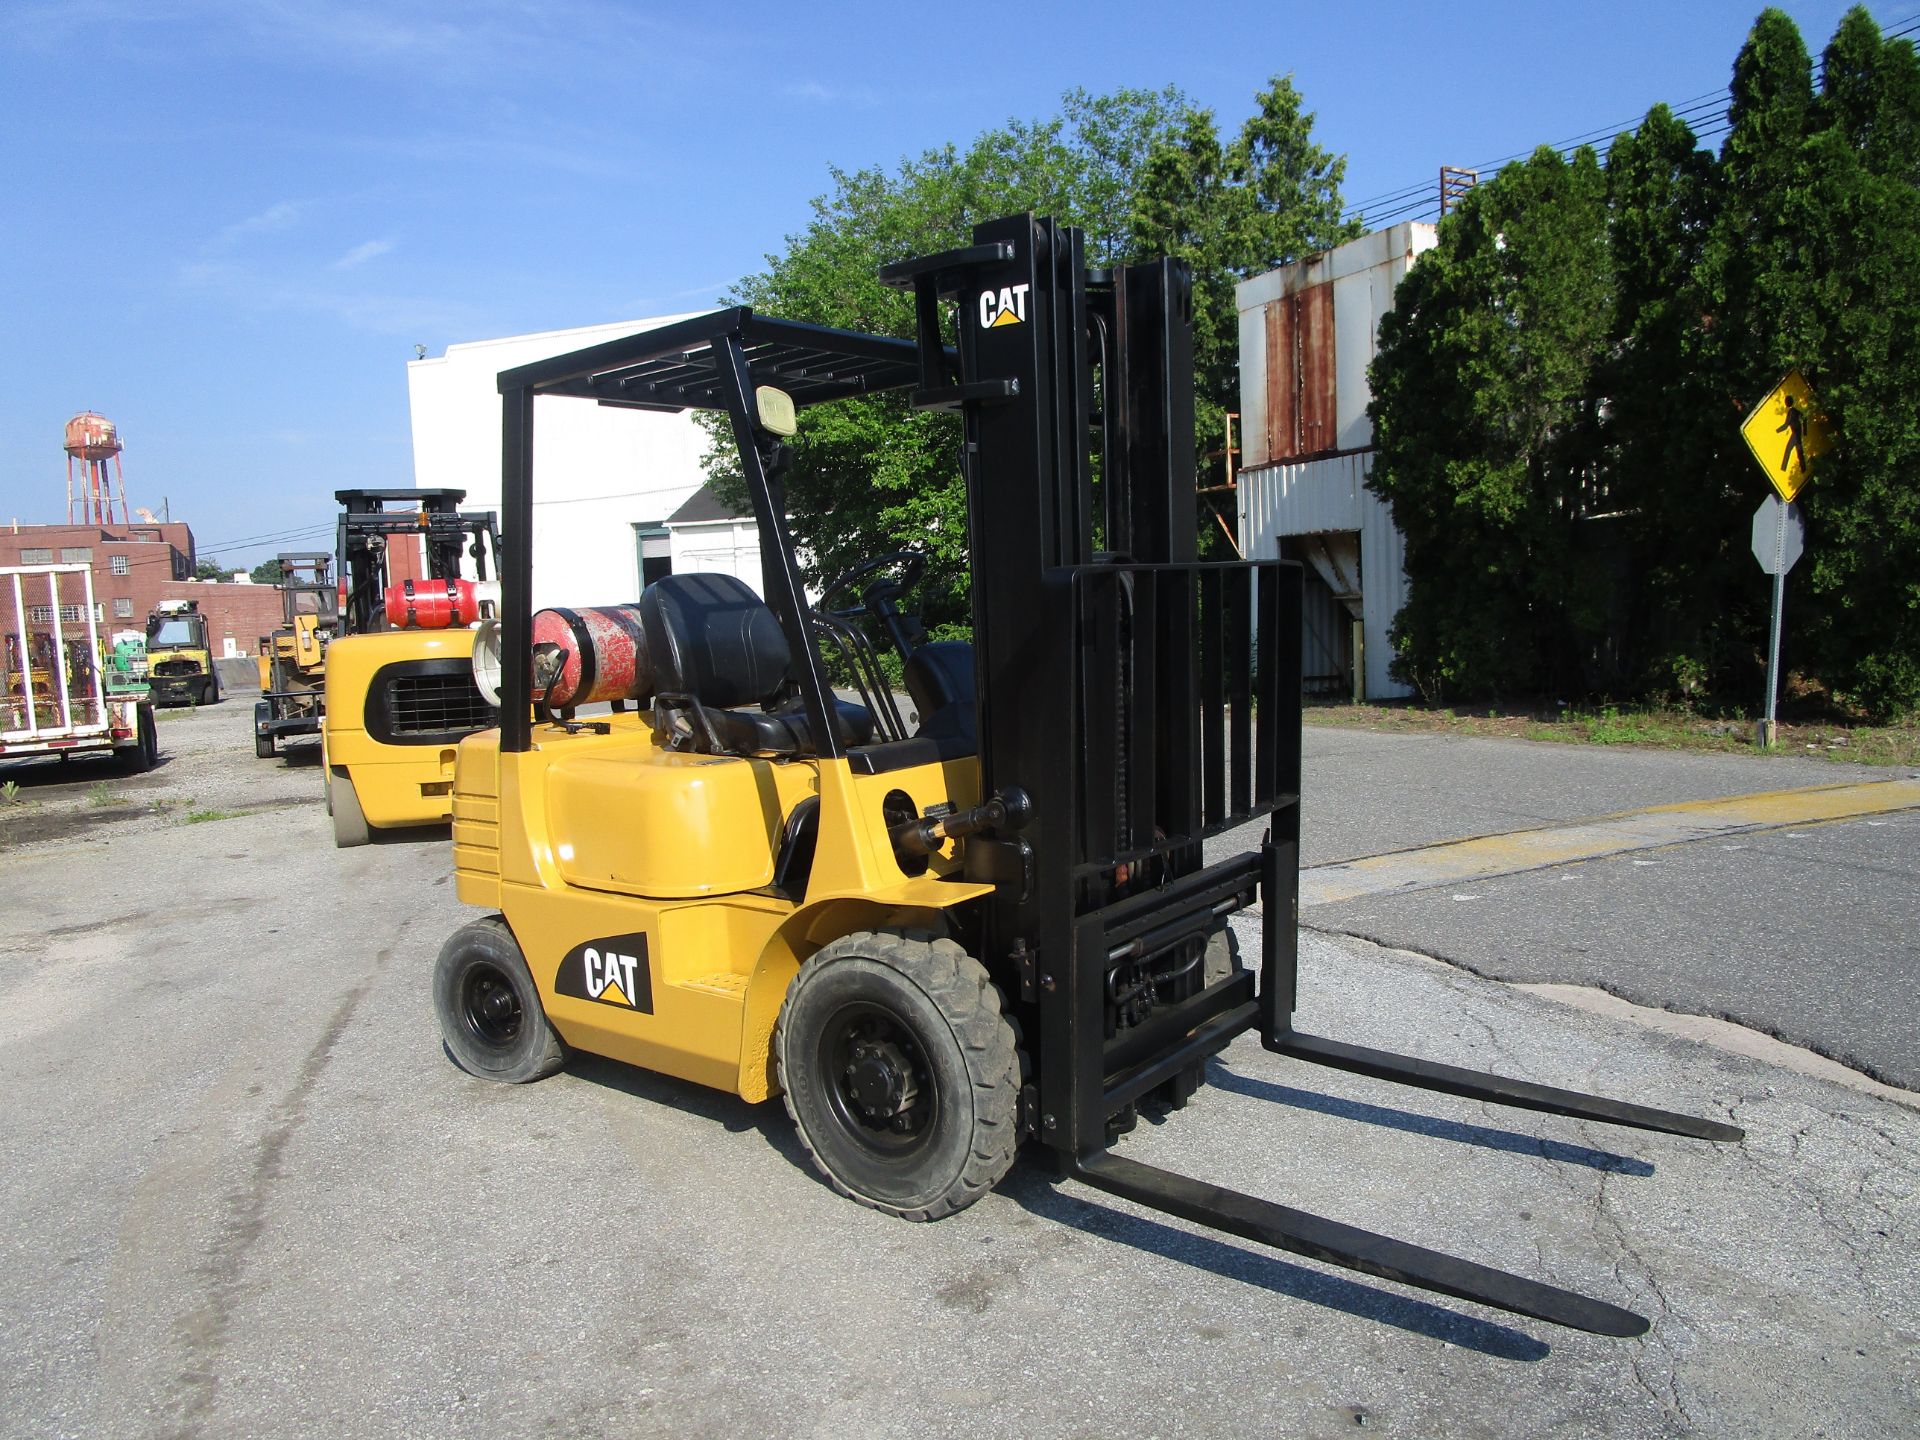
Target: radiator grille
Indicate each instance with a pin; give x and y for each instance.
(436, 705)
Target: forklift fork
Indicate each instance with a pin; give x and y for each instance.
(1230, 1012)
(1215, 1018)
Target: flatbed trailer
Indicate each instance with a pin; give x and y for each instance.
(54, 699)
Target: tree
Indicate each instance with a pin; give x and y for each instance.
(1233, 211)
(1486, 434)
(1859, 217)
(1131, 169)
(871, 475)
(1676, 472)
(267, 572)
(1576, 498)
(209, 570)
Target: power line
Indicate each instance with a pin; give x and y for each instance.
(1710, 111)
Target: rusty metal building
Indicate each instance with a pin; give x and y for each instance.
(1307, 334)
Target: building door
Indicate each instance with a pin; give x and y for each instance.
(652, 557)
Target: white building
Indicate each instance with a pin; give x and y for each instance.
(618, 497)
(1308, 331)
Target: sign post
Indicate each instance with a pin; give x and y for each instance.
(1779, 539)
(1784, 432)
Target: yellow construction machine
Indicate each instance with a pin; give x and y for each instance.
(293, 659)
(400, 692)
(179, 656)
(947, 930)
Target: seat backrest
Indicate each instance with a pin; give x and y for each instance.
(711, 637)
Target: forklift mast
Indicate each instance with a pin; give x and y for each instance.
(306, 587)
(1133, 702)
(369, 522)
(1130, 742)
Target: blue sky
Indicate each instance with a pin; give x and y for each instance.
(228, 222)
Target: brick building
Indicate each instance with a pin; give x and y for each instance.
(134, 567)
(131, 564)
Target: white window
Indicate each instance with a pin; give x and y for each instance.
(119, 565)
(75, 555)
(69, 614)
(36, 555)
(122, 606)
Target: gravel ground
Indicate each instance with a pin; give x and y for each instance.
(244, 1193)
(207, 770)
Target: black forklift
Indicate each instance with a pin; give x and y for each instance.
(1043, 949)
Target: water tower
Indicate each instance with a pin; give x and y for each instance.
(92, 440)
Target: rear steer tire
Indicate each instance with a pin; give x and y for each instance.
(349, 821)
(901, 1073)
(489, 1009)
(210, 691)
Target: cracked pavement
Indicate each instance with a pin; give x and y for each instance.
(245, 1194)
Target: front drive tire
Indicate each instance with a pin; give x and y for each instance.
(349, 821)
(901, 1073)
(489, 1011)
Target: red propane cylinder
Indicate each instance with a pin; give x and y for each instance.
(605, 654)
(432, 604)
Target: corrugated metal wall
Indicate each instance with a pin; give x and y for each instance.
(1318, 497)
(1301, 327)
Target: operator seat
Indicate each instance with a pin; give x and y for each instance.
(711, 638)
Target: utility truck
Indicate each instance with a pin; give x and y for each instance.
(54, 695)
(998, 927)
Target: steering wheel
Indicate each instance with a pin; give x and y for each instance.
(909, 566)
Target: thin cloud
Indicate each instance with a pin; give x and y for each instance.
(818, 94)
(706, 294)
(273, 219)
(360, 254)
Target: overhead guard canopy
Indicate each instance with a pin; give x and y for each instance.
(676, 367)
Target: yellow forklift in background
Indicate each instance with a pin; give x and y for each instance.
(1001, 926)
(179, 655)
(399, 690)
(293, 659)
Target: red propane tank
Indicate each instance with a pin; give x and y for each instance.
(605, 654)
(431, 604)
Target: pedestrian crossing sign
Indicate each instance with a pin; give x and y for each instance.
(1785, 431)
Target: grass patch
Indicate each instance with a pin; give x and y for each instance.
(100, 795)
(1647, 727)
(201, 817)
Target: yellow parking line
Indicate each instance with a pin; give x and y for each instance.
(1454, 861)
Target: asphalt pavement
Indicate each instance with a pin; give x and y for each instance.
(1805, 931)
(246, 1194)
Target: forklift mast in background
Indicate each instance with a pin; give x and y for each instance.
(369, 522)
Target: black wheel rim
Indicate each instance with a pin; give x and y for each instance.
(490, 1006)
(880, 1089)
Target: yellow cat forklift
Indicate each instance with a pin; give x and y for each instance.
(995, 927)
(399, 690)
